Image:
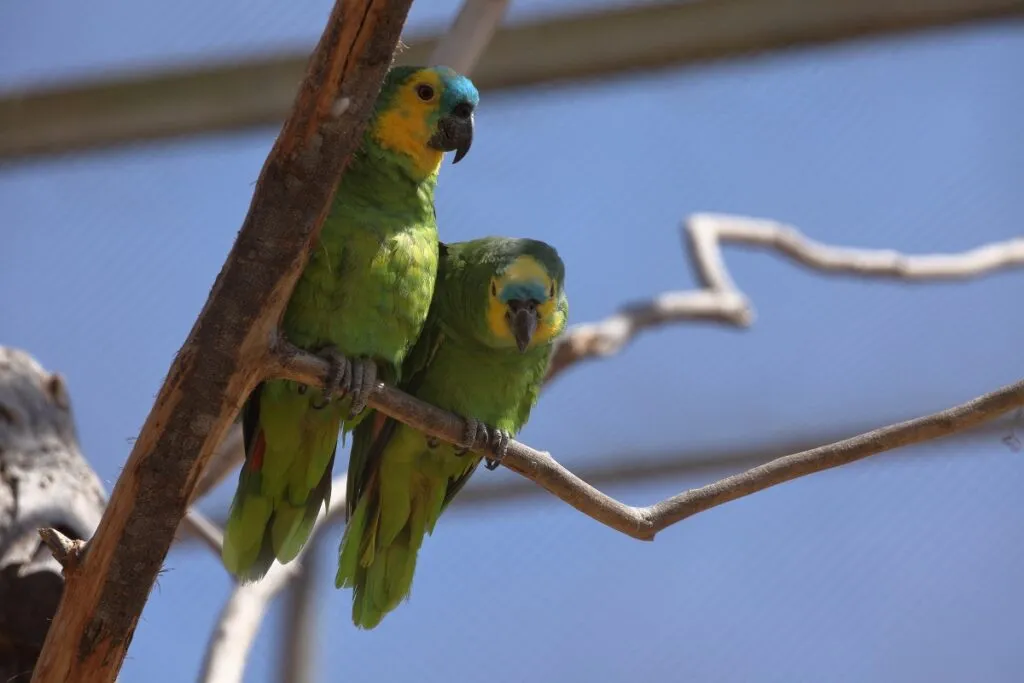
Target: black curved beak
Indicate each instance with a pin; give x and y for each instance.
(522, 318)
(455, 132)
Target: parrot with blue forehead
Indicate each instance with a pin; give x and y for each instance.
(498, 306)
(361, 302)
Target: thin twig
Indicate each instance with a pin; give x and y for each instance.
(229, 454)
(302, 598)
(239, 620)
(67, 551)
(198, 525)
(720, 300)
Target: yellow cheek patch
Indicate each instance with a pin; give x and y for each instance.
(403, 127)
(549, 323)
(496, 322)
(523, 269)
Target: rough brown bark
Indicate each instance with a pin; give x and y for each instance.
(44, 482)
(226, 351)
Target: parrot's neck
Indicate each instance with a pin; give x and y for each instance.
(395, 166)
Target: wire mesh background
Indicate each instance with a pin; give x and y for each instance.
(902, 568)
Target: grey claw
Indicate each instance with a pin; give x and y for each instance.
(499, 444)
(469, 435)
(363, 382)
(339, 371)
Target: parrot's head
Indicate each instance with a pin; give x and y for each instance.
(526, 302)
(423, 112)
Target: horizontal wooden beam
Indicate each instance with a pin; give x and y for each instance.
(222, 97)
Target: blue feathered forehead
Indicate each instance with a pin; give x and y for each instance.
(522, 291)
(457, 88)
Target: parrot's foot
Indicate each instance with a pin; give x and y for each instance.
(357, 377)
(362, 381)
(337, 370)
(496, 439)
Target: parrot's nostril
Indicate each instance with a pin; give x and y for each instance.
(463, 110)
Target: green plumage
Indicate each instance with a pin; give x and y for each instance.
(464, 361)
(365, 291)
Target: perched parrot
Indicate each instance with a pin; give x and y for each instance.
(361, 301)
(497, 308)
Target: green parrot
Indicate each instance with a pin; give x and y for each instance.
(361, 302)
(497, 308)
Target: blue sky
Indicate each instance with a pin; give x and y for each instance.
(893, 569)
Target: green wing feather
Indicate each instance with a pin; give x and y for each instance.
(369, 437)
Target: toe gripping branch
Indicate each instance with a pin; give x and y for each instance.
(357, 377)
(496, 440)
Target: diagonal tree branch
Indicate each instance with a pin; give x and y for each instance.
(643, 523)
(224, 354)
(722, 301)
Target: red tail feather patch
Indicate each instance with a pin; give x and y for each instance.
(259, 447)
(378, 423)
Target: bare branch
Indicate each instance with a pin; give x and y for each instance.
(644, 522)
(239, 621)
(302, 598)
(722, 301)
(66, 551)
(220, 362)
(197, 524)
(707, 231)
(229, 454)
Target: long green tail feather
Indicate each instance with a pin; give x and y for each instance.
(285, 481)
(380, 571)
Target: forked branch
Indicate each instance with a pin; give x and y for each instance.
(720, 300)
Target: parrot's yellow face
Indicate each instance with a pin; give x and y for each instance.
(523, 305)
(427, 113)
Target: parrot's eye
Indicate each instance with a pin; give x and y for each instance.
(494, 290)
(424, 92)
